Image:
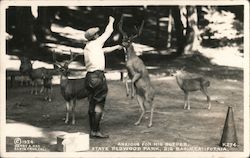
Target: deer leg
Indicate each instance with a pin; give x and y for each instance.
(204, 91)
(67, 111)
(132, 90)
(127, 87)
(35, 87)
(22, 80)
(32, 87)
(102, 116)
(151, 114)
(49, 94)
(73, 112)
(26, 81)
(188, 101)
(134, 79)
(185, 100)
(140, 101)
(42, 89)
(45, 93)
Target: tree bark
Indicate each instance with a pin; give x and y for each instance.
(192, 31)
(180, 39)
(169, 29)
(24, 34)
(43, 22)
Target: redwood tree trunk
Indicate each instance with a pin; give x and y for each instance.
(180, 39)
(192, 31)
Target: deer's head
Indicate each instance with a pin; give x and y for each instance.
(127, 40)
(46, 75)
(177, 72)
(63, 69)
(24, 59)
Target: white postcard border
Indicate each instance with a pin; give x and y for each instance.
(4, 5)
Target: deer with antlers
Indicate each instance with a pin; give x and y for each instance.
(141, 86)
(71, 89)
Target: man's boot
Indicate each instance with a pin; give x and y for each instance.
(97, 131)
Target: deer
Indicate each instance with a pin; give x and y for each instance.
(47, 85)
(190, 84)
(141, 86)
(71, 89)
(24, 69)
(36, 76)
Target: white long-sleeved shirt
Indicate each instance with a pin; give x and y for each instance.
(94, 53)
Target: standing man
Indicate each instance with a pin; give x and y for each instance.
(95, 79)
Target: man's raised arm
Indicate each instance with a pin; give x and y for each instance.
(108, 31)
(111, 49)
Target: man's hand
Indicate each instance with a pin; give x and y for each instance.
(111, 19)
(108, 31)
(119, 47)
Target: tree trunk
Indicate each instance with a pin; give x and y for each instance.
(169, 29)
(43, 22)
(180, 40)
(157, 29)
(24, 34)
(192, 31)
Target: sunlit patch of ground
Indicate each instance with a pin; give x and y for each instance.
(197, 127)
(224, 56)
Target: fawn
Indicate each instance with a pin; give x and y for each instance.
(189, 84)
(71, 89)
(47, 85)
(36, 76)
(141, 86)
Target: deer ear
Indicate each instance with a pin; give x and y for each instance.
(171, 72)
(183, 68)
(57, 68)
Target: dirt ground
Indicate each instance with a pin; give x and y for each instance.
(197, 127)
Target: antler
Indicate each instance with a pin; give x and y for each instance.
(138, 31)
(54, 59)
(72, 57)
(120, 27)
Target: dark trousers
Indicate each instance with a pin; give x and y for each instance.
(98, 89)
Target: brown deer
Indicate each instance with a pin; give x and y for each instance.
(47, 85)
(36, 76)
(190, 84)
(25, 68)
(141, 86)
(71, 89)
